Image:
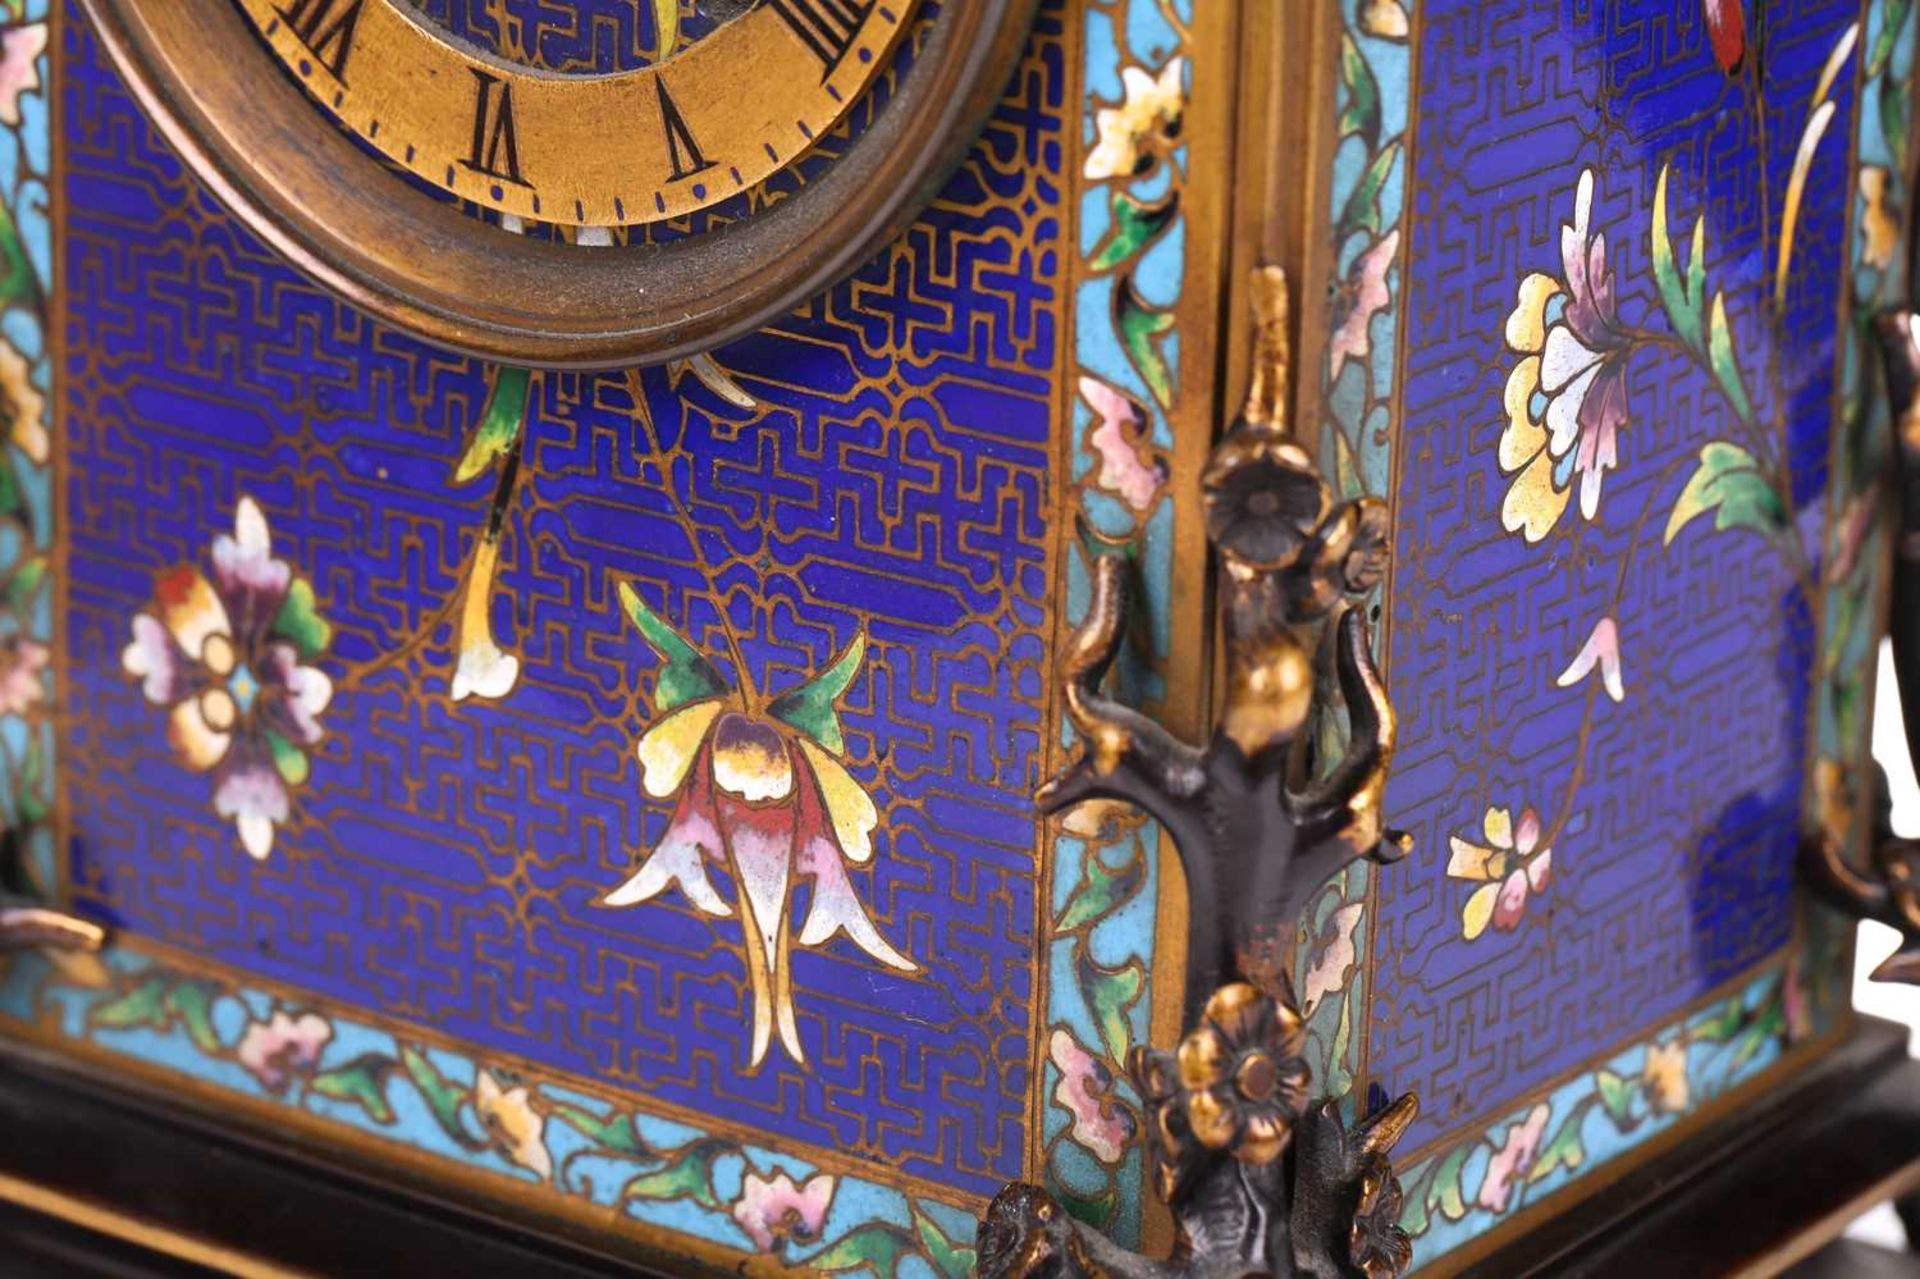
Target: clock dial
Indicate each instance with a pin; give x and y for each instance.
(718, 115)
(723, 160)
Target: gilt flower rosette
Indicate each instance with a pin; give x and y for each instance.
(229, 657)
(759, 795)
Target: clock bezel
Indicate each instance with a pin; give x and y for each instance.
(271, 155)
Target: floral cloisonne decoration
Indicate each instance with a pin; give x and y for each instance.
(1260, 1179)
(229, 657)
(759, 792)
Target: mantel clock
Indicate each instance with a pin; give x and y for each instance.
(1139, 638)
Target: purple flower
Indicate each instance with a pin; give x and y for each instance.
(1100, 1123)
(1566, 399)
(773, 1210)
(226, 658)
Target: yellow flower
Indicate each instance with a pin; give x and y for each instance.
(516, 1128)
(1510, 867)
(762, 793)
(1566, 399)
(21, 401)
(1882, 224)
(1151, 110)
(1665, 1077)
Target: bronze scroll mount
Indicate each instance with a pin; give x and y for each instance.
(1262, 1180)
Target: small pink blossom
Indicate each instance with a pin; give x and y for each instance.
(1128, 468)
(23, 663)
(1602, 650)
(20, 50)
(774, 1210)
(1365, 297)
(1514, 1160)
(283, 1048)
(1086, 1091)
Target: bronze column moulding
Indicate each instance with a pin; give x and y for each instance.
(1261, 1178)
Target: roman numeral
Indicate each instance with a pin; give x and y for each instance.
(326, 28)
(683, 150)
(496, 144)
(825, 26)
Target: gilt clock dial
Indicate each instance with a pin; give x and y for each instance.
(713, 107)
(360, 138)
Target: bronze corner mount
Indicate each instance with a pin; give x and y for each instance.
(1262, 1179)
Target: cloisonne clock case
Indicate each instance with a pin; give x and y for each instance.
(1581, 297)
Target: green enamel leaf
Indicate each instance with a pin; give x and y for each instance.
(144, 1005)
(443, 1097)
(1111, 992)
(1563, 1150)
(686, 676)
(877, 1248)
(1726, 366)
(500, 423)
(32, 792)
(1136, 224)
(1095, 1210)
(1727, 482)
(1769, 1024)
(25, 583)
(614, 1131)
(1362, 210)
(1894, 112)
(1682, 299)
(954, 1261)
(361, 1082)
(813, 707)
(1141, 329)
(1346, 468)
(288, 760)
(1446, 1195)
(18, 281)
(687, 1175)
(1892, 19)
(1361, 114)
(1721, 1025)
(12, 497)
(1103, 889)
(1616, 1095)
(192, 1003)
(299, 621)
(1339, 1080)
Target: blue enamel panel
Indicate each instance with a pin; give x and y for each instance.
(1672, 803)
(443, 863)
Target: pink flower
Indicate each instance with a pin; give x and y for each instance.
(1086, 1091)
(22, 664)
(1514, 1160)
(774, 1210)
(1602, 651)
(1510, 867)
(1361, 299)
(227, 656)
(1128, 467)
(20, 50)
(283, 1048)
